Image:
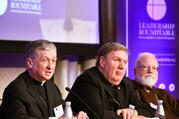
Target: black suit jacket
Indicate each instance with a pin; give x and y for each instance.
(99, 95)
(22, 101)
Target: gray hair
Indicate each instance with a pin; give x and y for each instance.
(107, 48)
(142, 55)
(34, 46)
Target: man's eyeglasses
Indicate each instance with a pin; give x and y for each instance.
(146, 68)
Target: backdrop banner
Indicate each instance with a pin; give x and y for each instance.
(152, 28)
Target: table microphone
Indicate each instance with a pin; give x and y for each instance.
(82, 101)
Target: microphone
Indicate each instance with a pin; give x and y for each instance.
(82, 101)
(142, 99)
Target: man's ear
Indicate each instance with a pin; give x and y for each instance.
(102, 61)
(29, 62)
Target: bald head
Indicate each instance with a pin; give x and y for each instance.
(144, 56)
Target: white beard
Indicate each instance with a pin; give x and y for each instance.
(147, 79)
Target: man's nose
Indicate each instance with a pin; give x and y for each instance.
(149, 69)
(50, 64)
(121, 65)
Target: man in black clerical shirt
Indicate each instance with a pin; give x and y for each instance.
(105, 89)
(32, 95)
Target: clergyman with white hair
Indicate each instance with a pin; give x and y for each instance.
(146, 76)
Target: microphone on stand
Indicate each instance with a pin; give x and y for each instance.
(142, 99)
(82, 101)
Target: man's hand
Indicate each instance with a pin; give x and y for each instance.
(81, 115)
(138, 117)
(61, 117)
(127, 113)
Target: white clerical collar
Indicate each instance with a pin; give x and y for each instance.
(42, 83)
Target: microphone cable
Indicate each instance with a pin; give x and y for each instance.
(82, 101)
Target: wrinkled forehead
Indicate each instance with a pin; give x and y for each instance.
(48, 51)
(122, 54)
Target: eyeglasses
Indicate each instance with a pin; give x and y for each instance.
(146, 68)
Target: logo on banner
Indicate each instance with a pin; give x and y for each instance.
(172, 87)
(3, 6)
(156, 9)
